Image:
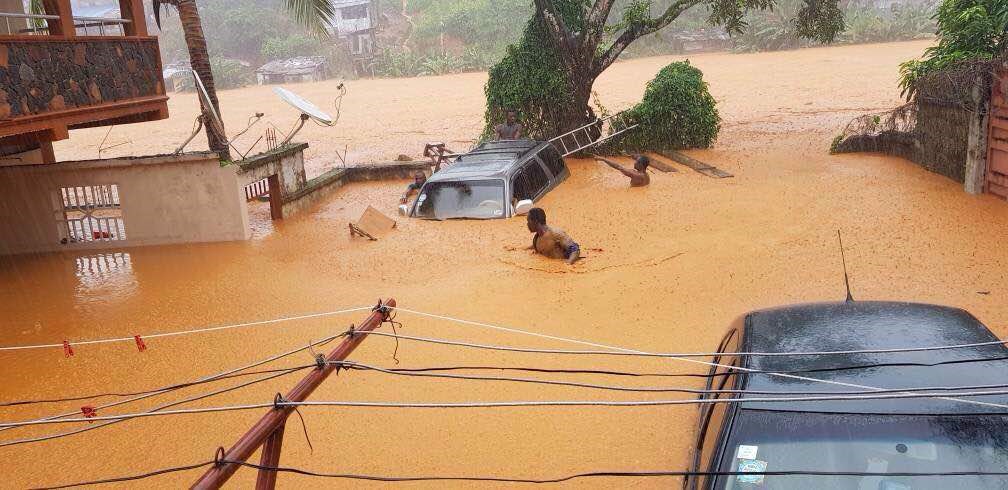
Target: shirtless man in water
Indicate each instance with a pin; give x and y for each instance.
(638, 176)
(551, 242)
(510, 130)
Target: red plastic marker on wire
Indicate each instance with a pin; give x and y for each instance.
(67, 349)
(141, 346)
(89, 412)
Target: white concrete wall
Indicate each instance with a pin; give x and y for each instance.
(165, 199)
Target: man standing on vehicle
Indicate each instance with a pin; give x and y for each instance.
(510, 130)
(638, 176)
(419, 179)
(551, 242)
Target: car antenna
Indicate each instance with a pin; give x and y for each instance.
(843, 260)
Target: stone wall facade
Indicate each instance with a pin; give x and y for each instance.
(45, 76)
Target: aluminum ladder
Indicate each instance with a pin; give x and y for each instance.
(581, 138)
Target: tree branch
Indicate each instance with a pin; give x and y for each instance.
(633, 32)
(597, 20)
(555, 23)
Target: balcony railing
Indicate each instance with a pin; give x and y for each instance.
(83, 26)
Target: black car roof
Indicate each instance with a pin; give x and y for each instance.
(492, 159)
(867, 325)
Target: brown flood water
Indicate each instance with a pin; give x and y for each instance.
(676, 262)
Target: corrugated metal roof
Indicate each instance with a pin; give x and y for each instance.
(292, 66)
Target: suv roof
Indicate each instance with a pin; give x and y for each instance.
(868, 326)
(492, 159)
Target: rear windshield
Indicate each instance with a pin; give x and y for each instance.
(478, 199)
(763, 441)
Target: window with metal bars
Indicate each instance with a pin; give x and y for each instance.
(90, 213)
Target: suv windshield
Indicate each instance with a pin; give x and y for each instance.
(480, 199)
(764, 441)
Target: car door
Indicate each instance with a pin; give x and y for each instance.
(713, 416)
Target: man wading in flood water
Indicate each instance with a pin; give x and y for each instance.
(418, 181)
(638, 176)
(551, 242)
(510, 130)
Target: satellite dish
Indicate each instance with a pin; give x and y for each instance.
(306, 108)
(215, 119)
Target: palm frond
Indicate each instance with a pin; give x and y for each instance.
(314, 15)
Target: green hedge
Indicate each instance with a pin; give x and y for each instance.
(676, 112)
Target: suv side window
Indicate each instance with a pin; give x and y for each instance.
(538, 180)
(554, 162)
(530, 181)
(520, 187)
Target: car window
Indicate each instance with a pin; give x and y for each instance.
(529, 182)
(520, 188)
(712, 415)
(538, 180)
(478, 199)
(554, 162)
(895, 445)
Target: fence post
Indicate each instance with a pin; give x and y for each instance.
(976, 148)
(266, 428)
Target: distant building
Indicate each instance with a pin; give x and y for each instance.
(355, 23)
(293, 70)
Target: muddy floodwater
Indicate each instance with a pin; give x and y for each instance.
(667, 269)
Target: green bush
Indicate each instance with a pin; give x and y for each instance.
(968, 30)
(677, 112)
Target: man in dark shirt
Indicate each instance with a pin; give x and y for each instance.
(418, 181)
(510, 130)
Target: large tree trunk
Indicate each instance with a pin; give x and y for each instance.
(199, 58)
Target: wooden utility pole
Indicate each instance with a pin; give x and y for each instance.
(269, 429)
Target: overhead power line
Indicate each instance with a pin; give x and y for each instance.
(503, 479)
(211, 377)
(189, 331)
(506, 404)
(652, 389)
(711, 354)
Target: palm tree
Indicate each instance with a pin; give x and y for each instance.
(199, 58)
(315, 15)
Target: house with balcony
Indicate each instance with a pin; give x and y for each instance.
(63, 69)
(355, 23)
(60, 71)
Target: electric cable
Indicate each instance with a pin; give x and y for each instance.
(192, 331)
(210, 377)
(506, 404)
(365, 367)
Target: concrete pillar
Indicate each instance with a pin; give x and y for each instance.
(976, 149)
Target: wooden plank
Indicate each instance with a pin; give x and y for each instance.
(701, 167)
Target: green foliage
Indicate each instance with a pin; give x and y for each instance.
(968, 30)
(484, 26)
(777, 29)
(531, 78)
(227, 74)
(290, 46)
(236, 29)
(677, 112)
